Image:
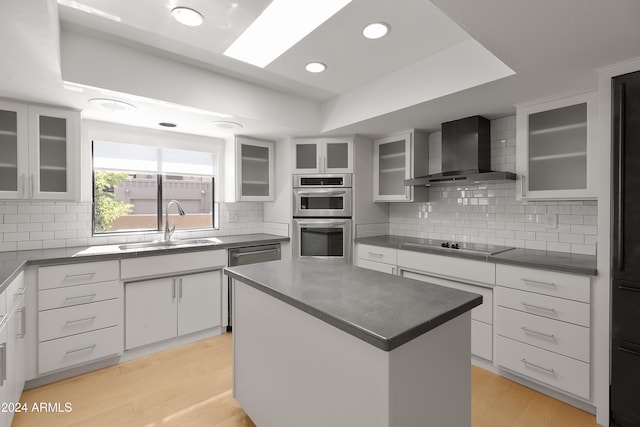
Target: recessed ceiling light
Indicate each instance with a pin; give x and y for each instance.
(315, 67)
(168, 124)
(265, 40)
(376, 30)
(187, 16)
(112, 105)
(227, 125)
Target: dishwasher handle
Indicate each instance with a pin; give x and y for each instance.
(257, 252)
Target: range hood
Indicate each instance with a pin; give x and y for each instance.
(466, 155)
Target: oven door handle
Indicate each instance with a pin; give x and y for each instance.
(321, 193)
(331, 224)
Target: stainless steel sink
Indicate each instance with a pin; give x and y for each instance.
(170, 243)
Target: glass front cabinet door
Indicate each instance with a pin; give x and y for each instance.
(255, 169)
(38, 152)
(554, 147)
(323, 155)
(396, 158)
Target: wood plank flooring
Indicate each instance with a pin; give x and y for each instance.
(191, 386)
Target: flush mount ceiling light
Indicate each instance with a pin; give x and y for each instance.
(187, 16)
(112, 105)
(265, 39)
(376, 30)
(315, 67)
(227, 125)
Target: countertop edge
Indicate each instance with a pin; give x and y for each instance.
(36, 257)
(367, 336)
(499, 258)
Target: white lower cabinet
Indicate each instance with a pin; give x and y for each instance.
(12, 347)
(543, 327)
(377, 258)
(80, 314)
(163, 308)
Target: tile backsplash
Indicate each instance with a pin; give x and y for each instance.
(489, 213)
(42, 225)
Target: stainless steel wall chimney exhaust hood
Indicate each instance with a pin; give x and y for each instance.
(466, 155)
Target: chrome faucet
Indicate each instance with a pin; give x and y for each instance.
(168, 231)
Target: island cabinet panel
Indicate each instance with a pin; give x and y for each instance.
(456, 268)
(292, 369)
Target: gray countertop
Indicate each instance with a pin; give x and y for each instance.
(547, 260)
(11, 263)
(383, 310)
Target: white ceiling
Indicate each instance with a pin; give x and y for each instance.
(134, 51)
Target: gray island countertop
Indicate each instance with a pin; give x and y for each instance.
(383, 310)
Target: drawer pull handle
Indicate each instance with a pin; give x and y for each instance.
(23, 322)
(628, 288)
(3, 365)
(538, 307)
(533, 331)
(86, 319)
(77, 276)
(628, 350)
(550, 370)
(79, 297)
(20, 291)
(91, 347)
(537, 282)
(375, 255)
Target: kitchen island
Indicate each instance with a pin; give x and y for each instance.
(321, 343)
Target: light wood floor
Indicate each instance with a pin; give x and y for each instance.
(191, 386)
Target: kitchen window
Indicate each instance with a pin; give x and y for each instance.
(132, 185)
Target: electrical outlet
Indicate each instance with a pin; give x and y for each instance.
(551, 220)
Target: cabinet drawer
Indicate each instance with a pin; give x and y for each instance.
(378, 254)
(560, 337)
(79, 349)
(456, 268)
(552, 283)
(481, 339)
(544, 366)
(63, 322)
(81, 294)
(544, 305)
(483, 312)
(76, 274)
(377, 266)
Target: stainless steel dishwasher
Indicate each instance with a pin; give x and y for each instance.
(249, 255)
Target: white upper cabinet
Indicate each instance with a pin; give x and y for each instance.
(555, 145)
(255, 169)
(323, 155)
(396, 158)
(38, 150)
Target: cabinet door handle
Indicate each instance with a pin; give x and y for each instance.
(85, 319)
(173, 290)
(628, 288)
(3, 365)
(76, 276)
(526, 362)
(538, 307)
(522, 188)
(23, 322)
(537, 282)
(91, 347)
(180, 288)
(628, 350)
(22, 187)
(90, 296)
(31, 184)
(621, 173)
(533, 331)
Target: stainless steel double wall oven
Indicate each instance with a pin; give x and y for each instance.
(322, 209)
